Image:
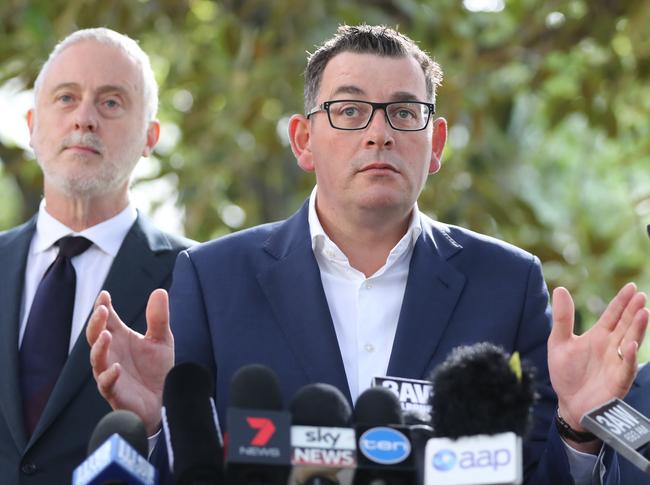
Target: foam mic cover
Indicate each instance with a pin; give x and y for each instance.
(192, 433)
(477, 392)
(320, 405)
(255, 386)
(323, 443)
(378, 406)
(125, 423)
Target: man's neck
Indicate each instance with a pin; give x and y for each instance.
(366, 242)
(82, 212)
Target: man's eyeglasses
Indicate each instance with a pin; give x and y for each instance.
(352, 114)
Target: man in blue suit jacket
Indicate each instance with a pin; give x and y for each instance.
(639, 399)
(359, 283)
(94, 117)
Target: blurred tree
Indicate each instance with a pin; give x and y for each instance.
(547, 103)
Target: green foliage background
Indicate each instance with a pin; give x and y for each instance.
(548, 103)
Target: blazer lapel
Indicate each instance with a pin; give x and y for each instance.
(13, 258)
(135, 273)
(432, 290)
(295, 292)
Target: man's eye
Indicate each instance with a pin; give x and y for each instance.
(65, 98)
(350, 111)
(405, 114)
(112, 103)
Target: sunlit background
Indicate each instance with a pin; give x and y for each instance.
(548, 104)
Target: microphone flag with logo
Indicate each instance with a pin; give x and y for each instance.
(117, 452)
(623, 428)
(323, 443)
(481, 408)
(383, 441)
(413, 394)
(258, 446)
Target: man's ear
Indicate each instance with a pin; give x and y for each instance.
(300, 139)
(438, 140)
(30, 124)
(153, 135)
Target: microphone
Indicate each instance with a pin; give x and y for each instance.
(259, 450)
(322, 441)
(623, 428)
(192, 433)
(116, 453)
(481, 409)
(413, 394)
(384, 443)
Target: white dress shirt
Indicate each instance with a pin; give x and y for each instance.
(91, 266)
(364, 310)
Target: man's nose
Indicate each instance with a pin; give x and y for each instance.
(86, 117)
(379, 132)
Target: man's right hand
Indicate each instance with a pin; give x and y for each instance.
(130, 368)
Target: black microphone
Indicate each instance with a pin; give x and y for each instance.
(322, 440)
(117, 452)
(623, 428)
(192, 433)
(481, 408)
(259, 450)
(419, 424)
(384, 442)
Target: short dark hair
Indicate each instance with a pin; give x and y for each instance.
(367, 39)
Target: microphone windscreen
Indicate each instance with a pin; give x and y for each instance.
(126, 424)
(255, 386)
(320, 405)
(378, 406)
(187, 380)
(191, 424)
(476, 391)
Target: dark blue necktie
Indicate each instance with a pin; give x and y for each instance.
(44, 348)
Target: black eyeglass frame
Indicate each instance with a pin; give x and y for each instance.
(325, 106)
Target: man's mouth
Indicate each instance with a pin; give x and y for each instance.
(82, 148)
(379, 166)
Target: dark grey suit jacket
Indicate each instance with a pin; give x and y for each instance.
(144, 262)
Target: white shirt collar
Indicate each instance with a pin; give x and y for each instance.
(320, 240)
(107, 235)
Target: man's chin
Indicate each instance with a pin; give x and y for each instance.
(82, 186)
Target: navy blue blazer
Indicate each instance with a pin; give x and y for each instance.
(144, 262)
(256, 297)
(639, 399)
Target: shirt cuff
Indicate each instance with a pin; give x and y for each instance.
(583, 465)
(152, 440)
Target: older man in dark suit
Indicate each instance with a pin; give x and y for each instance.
(94, 117)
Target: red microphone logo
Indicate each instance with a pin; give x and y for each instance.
(265, 428)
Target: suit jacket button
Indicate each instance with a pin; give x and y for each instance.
(29, 468)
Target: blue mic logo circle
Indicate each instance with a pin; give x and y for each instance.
(385, 446)
(444, 460)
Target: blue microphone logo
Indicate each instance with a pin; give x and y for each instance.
(385, 446)
(444, 460)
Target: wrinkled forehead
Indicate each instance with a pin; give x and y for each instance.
(91, 65)
(373, 77)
